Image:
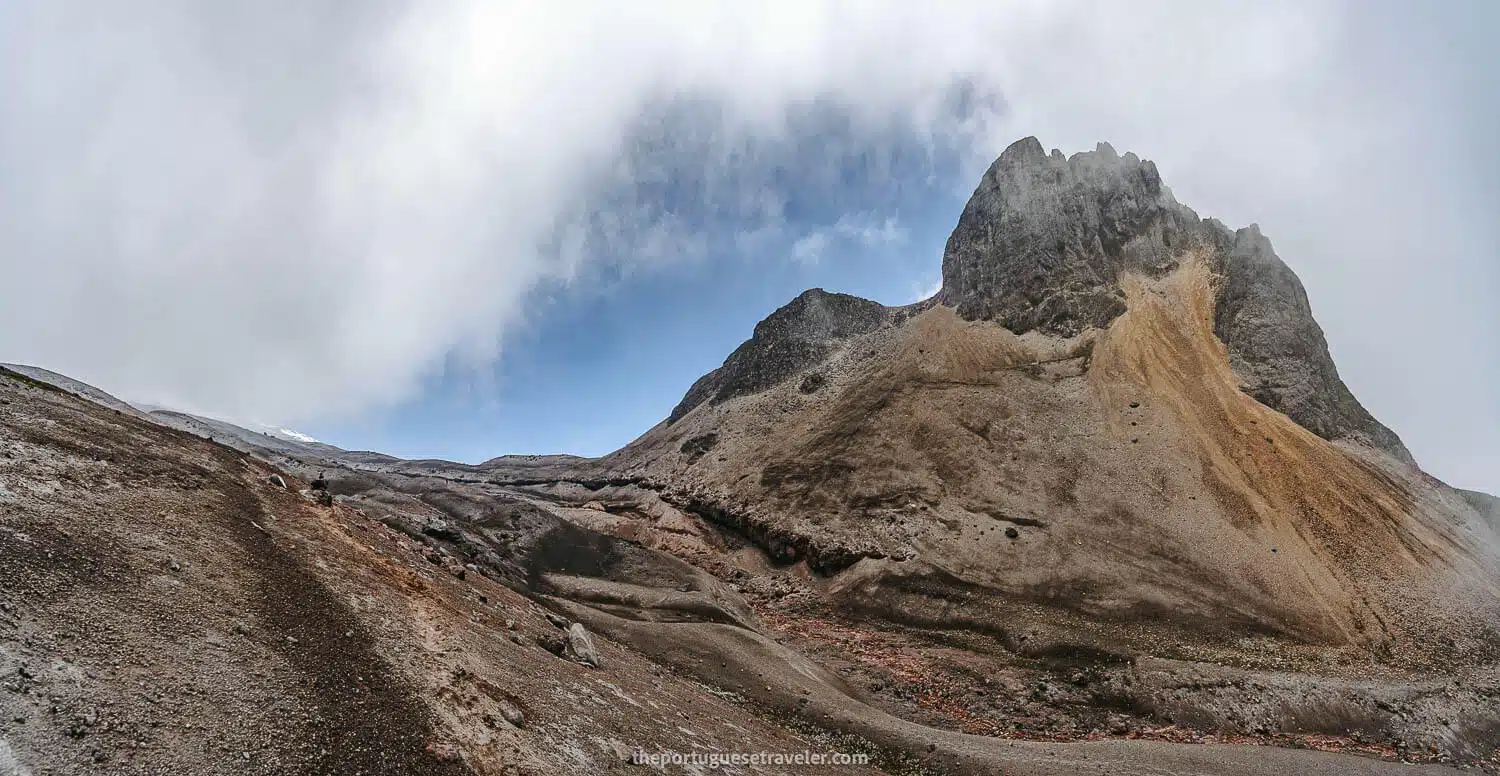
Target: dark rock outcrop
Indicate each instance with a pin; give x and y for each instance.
(1042, 241)
(698, 446)
(800, 334)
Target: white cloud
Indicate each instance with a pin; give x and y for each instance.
(809, 249)
(854, 230)
(297, 212)
(921, 292)
(863, 230)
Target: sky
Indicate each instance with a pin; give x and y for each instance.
(458, 229)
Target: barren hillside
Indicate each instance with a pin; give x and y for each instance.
(1101, 505)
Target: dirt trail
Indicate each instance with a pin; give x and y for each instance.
(796, 688)
(366, 717)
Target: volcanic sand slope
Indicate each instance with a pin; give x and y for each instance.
(1371, 550)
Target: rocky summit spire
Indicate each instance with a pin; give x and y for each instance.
(1043, 239)
(1043, 242)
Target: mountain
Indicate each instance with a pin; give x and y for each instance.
(1103, 502)
(1113, 410)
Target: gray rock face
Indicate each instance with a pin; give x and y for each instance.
(1044, 239)
(1278, 350)
(800, 334)
(581, 645)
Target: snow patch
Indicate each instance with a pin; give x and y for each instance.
(284, 433)
(295, 435)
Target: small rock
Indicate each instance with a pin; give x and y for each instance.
(512, 714)
(1012, 533)
(276, 480)
(552, 642)
(812, 382)
(558, 620)
(443, 752)
(581, 644)
(440, 529)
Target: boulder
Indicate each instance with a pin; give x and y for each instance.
(581, 645)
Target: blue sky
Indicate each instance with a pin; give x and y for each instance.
(593, 370)
(600, 360)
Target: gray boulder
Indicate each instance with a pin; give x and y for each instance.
(581, 645)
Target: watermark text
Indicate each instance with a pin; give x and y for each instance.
(662, 758)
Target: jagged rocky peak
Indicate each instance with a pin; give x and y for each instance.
(1041, 243)
(798, 335)
(1044, 240)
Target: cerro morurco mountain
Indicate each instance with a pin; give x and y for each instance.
(1100, 505)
